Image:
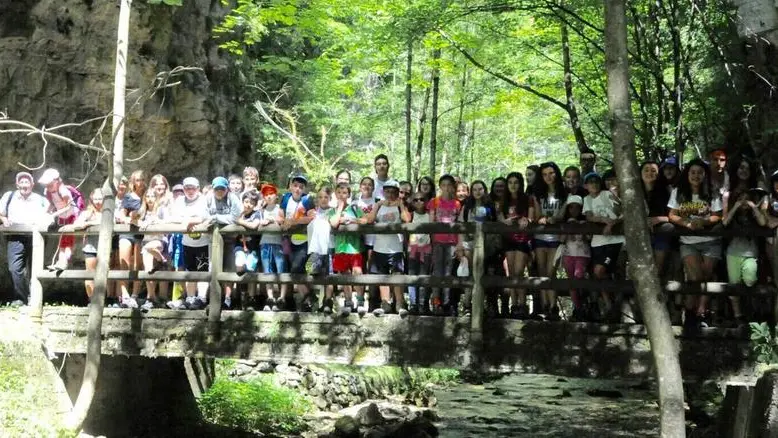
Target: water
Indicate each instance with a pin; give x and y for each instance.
(533, 405)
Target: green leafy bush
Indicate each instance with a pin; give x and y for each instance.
(763, 343)
(258, 405)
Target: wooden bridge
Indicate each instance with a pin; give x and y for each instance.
(581, 349)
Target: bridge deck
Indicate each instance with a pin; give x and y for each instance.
(576, 349)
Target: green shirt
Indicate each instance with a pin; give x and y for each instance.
(347, 243)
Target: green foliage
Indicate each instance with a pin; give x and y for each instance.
(763, 343)
(258, 405)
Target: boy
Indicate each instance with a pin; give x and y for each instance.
(444, 209)
(63, 208)
(270, 248)
(236, 184)
(601, 206)
(250, 178)
(246, 247)
(296, 206)
(348, 246)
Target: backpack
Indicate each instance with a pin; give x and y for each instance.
(76, 197)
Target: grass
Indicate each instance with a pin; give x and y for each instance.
(258, 405)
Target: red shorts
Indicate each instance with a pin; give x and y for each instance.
(346, 262)
(66, 240)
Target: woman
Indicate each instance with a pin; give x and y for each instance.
(516, 209)
(129, 244)
(693, 205)
(550, 197)
(87, 218)
(426, 186)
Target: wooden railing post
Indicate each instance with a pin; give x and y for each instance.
(36, 288)
(478, 299)
(215, 290)
(775, 276)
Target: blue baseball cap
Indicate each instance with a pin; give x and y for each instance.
(669, 161)
(301, 178)
(220, 182)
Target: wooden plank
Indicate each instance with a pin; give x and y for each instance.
(478, 299)
(36, 288)
(215, 289)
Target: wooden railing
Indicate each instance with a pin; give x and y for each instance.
(478, 282)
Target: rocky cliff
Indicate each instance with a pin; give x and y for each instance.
(57, 66)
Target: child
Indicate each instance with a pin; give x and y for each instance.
(250, 178)
(65, 209)
(444, 209)
(236, 184)
(270, 248)
(296, 206)
(246, 247)
(515, 210)
(366, 202)
(348, 255)
(577, 253)
(319, 240)
(477, 208)
(153, 245)
(602, 207)
(419, 256)
(388, 249)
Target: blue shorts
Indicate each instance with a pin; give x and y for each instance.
(273, 259)
(546, 244)
(661, 243)
(249, 259)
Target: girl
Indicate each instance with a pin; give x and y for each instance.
(477, 208)
(577, 253)
(444, 209)
(347, 258)
(388, 249)
(153, 252)
(670, 175)
(270, 246)
(463, 191)
(129, 244)
(532, 172)
(419, 256)
(64, 209)
(319, 230)
(550, 197)
(426, 186)
(516, 209)
(694, 206)
(87, 218)
(741, 209)
(497, 191)
(656, 199)
(601, 206)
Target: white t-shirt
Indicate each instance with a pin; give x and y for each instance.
(695, 209)
(603, 205)
(319, 233)
(366, 205)
(388, 243)
(186, 209)
(271, 238)
(378, 191)
(291, 213)
(549, 207)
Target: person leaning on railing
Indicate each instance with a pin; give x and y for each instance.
(22, 207)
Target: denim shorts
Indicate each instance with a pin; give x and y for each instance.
(298, 258)
(273, 259)
(710, 249)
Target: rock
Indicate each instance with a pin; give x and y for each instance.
(607, 393)
(264, 367)
(320, 402)
(282, 367)
(249, 362)
(394, 412)
(430, 414)
(370, 415)
(561, 379)
(499, 391)
(346, 427)
(565, 394)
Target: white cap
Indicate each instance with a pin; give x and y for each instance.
(191, 182)
(392, 183)
(48, 176)
(574, 199)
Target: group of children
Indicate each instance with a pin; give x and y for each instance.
(697, 197)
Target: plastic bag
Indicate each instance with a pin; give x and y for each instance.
(463, 270)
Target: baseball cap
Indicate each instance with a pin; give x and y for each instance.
(48, 176)
(389, 184)
(301, 178)
(220, 182)
(21, 175)
(191, 181)
(574, 199)
(669, 161)
(269, 189)
(178, 188)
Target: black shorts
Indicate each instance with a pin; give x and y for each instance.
(387, 264)
(320, 264)
(196, 258)
(512, 245)
(607, 255)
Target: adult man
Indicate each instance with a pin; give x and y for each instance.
(22, 207)
(588, 161)
(719, 177)
(381, 165)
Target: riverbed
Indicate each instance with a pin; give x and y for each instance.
(534, 405)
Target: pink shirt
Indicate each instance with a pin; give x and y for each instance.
(61, 199)
(446, 212)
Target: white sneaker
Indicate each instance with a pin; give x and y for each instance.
(176, 304)
(345, 311)
(129, 303)
(362, 310)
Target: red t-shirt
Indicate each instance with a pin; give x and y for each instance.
(446, 212)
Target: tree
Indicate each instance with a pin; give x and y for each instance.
(641, 260)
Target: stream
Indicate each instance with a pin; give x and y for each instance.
(536, 405)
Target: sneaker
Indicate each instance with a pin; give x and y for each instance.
(361, 310)
(227, 302)
(129, 303)
(176, 305)
(378, 311)
(267, 308)
(197, 304)
(345, 311)
(148, 305)
(17, 303)
(403, 312)
(280, 305)
(188, 302)
(327, 306)
(386, 306)
(537, 316)
(467, 312)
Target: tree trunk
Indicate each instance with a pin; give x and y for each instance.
(642, 268)
(461, 134)
(94, 328)
(408, 102)
(420, 135)
(572, 112)
(434, 118)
